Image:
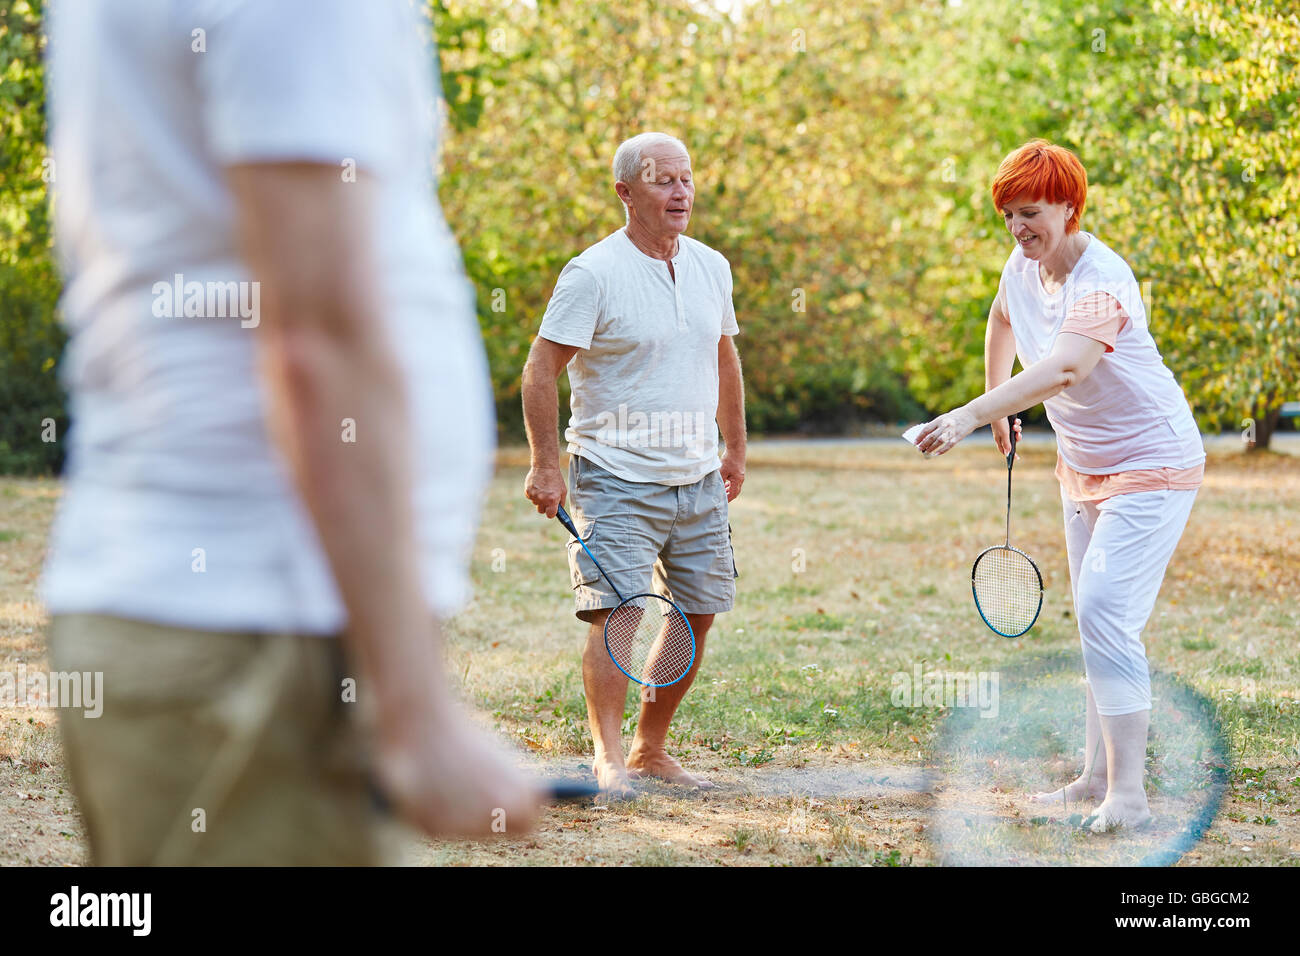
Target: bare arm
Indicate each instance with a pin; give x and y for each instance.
(731, 415)
(999, 360)
(999, 345)
(544, 486)
(306, 236)
(307, 239)
(1071, 360)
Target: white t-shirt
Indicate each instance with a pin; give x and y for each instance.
(177, 508)
(1129, 414)
(644, 383)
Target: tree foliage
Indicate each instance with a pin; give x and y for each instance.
(843, 154)
(800, 201)
(31, 401)
(1209, 192)
(844, 157)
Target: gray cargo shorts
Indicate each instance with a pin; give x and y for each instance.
(670, 539)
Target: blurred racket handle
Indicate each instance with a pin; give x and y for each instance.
(563, 791)
(557, 791)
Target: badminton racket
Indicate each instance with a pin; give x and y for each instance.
(1007, 586)
(647, 636)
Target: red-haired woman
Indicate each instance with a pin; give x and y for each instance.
(1129, 455)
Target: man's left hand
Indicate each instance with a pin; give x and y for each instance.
(733, 474)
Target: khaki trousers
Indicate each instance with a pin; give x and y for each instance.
(225, 749)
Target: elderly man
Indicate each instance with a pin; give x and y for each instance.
(643, 321)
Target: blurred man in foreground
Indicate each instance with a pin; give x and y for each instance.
(281, 433)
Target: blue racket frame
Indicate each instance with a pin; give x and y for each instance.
(975, 594)
(564, 519)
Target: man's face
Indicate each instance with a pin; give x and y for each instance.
(662, 194)
(1037, 225)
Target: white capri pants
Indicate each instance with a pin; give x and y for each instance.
(1119, 549)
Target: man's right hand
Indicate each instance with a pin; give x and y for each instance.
(544, 487)
(452, 779)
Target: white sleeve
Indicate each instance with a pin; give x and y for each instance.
(313, 80)
(729, 325)
(1121, 286)
(574, 309)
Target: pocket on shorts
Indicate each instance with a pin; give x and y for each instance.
(724, 560)
(582, 570)
(735, 573)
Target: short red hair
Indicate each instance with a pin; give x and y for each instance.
(1042, 171)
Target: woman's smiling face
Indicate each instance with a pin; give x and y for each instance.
(1038, 226)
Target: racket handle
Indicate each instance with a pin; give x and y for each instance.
(557, 791)
(563, 791)
(1011, 425)
(563, 517)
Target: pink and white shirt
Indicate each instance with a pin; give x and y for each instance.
(1127, 427)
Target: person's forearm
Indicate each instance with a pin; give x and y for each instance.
(541, 417)
(336, 410)
(1033, 385)
(731, 401)
(359, 495)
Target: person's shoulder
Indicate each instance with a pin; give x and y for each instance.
(615, 244)
(706, 253)
(1100, 261)
(1103, 270)
(599, 259)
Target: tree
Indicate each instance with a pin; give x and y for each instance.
(1185, 115)
(30, 337)
(843, 155)
(1220, 163)
(801, 138)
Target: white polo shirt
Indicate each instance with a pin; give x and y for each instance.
(177, 507)
(644, 383)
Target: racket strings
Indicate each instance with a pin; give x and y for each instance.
(651, 640)
(1008, 590)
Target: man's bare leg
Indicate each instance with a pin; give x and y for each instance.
(605, 687)
(648, 756)
(1091, 784)
(1126, 754)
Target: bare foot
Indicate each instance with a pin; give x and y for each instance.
(1118, 812)
(1082, 789)
(612, 778)
(646, 763)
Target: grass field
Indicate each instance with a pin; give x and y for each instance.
(854, 564)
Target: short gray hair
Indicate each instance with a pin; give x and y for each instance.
(627, 159)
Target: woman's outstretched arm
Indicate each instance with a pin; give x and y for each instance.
(1071, 360)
